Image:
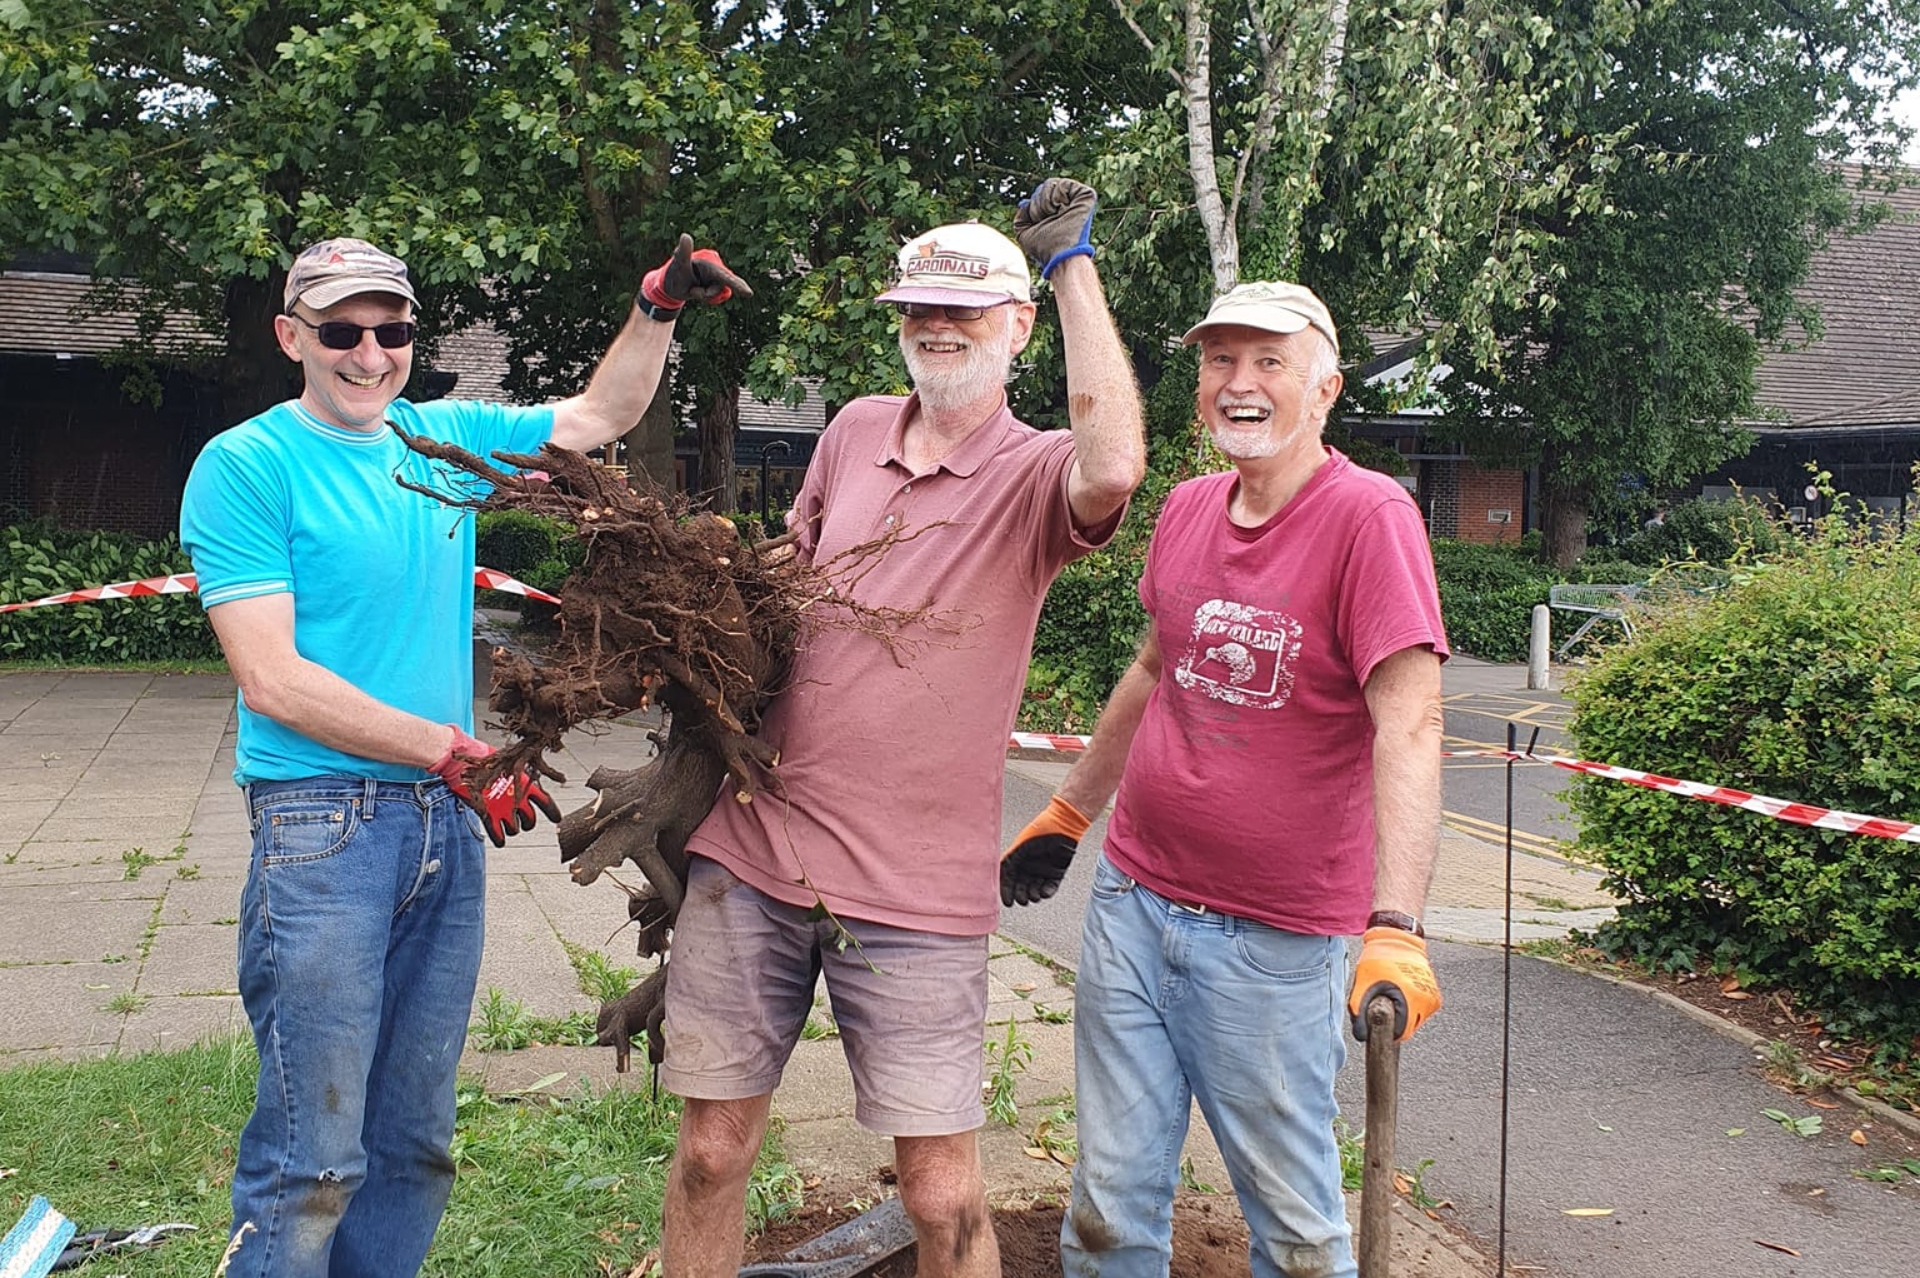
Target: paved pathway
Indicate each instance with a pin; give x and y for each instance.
(123, 846)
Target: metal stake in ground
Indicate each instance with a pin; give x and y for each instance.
(1383, 1103)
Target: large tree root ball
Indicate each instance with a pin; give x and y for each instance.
(673, 609)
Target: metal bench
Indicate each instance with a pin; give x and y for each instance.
(1600, 603)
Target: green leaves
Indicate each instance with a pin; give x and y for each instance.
(1806, 1126)
(1792, 683)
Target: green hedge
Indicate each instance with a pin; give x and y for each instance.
(538, 551)
(38, 559)
(1799, 680)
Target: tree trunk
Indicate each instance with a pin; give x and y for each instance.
(650, 444)
(254, 373)
(1563, 521)
(718, 427)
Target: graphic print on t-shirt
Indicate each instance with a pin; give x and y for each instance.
(1241, 655)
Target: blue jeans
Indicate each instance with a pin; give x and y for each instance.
(360, 934)
(1174, 1004)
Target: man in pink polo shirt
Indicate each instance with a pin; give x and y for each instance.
(1276, 748)
(887, 810)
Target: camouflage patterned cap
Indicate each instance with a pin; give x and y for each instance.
(334, 270)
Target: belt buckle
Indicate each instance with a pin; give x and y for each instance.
(1190, 907)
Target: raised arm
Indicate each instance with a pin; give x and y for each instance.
(1055, 227)
(629, 373)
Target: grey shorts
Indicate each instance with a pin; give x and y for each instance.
(911, 1006)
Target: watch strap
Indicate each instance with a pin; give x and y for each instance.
(1396, 918)
(654, 311)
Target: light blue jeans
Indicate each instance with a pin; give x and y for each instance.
(360, 934)
(1174, 1004)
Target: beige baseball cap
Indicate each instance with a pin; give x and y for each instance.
(334, 270)
(965, 264)
(1272, 307)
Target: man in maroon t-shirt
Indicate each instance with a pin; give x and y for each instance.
(893, 747)
(1276, 748)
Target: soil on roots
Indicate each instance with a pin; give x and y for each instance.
(1209, 1238)
(670, 607)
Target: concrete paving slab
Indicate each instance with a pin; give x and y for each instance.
(155, 829)
(24, 872)
(21, 813)
(78, 722)
(202, 899)
(50, 851)
(523, 957)
(62, 1006)
(76, 931)
(171, 1022)
(30, 897)
(216, 687)
(1489, 926)
(178, 717)
(196, 958)
(38, 780)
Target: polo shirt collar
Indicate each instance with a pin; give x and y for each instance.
(962, 461)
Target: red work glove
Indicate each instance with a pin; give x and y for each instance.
(1031, 870)
(689, 275)
(1393, 962)
(507, 804)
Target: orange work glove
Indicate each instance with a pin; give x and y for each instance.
(1031, 870)
(1394, 963)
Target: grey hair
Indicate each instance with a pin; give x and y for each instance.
(1323, 362)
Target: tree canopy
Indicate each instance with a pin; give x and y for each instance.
(1736, 123)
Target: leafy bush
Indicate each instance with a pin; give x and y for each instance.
(538, 551)
(38, 559)
(1487, 594)
(1709, 532)
(1800, 680)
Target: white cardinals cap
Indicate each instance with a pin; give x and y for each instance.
(965, 264)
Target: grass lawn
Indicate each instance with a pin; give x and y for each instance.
(552, 1183)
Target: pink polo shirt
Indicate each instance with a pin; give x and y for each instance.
(891, 759)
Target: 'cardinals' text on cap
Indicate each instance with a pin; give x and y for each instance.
(966, 264)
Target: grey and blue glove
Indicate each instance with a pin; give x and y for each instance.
(1056, 223)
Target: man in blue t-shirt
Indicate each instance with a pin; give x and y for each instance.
(344, 605)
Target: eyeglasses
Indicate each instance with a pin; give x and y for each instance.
(338, 335)
(958, 314)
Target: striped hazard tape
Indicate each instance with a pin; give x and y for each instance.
(185, 583)
(1780, 809)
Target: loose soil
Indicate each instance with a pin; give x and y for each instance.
(1209, 1238)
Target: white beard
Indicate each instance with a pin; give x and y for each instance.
(982, 372)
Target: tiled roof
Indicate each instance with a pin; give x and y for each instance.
(42, 314)
(1865, 368)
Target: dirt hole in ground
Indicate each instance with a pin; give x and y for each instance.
(1209, 1238)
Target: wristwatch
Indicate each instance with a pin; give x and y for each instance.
(1395, 918)
(654, 311)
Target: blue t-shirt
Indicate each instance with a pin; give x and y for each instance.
(381, 577)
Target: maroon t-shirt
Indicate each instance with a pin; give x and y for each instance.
(891, 758)
(1249, 785)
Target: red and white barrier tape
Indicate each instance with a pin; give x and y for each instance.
(1779, 809)
(186, 583)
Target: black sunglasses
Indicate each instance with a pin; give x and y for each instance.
(338, 335)
(958, 314)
